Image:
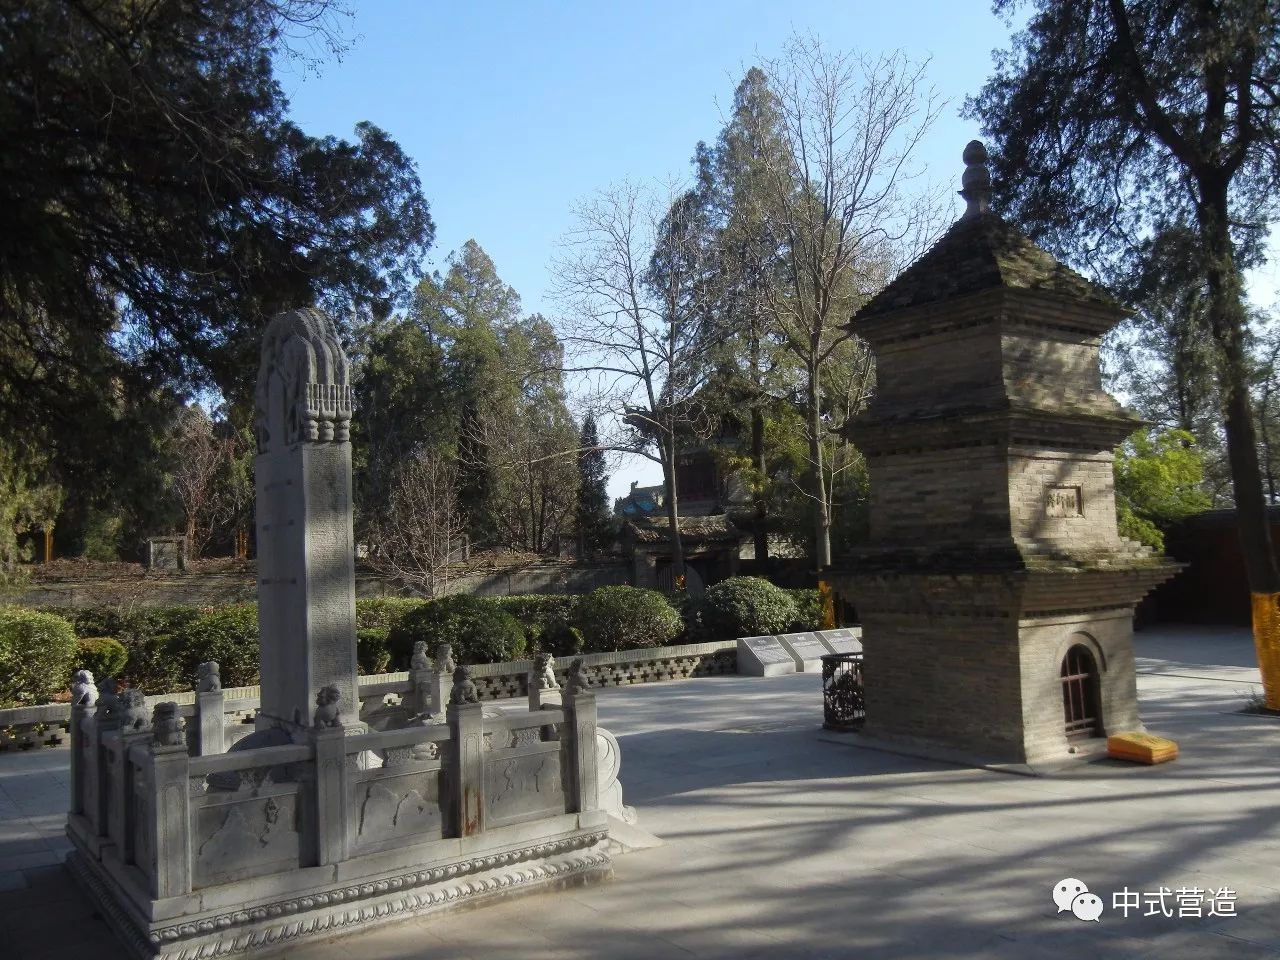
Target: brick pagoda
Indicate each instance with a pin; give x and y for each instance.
(995, 592)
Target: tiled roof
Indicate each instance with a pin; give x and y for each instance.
(713, 529)
(978, 253)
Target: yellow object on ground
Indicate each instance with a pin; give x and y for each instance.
(1141, 748)
(1266, 640)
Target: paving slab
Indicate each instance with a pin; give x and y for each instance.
(778, 845)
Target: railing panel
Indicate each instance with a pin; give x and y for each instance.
(245, 833)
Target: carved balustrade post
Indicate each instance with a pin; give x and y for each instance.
(331, 793)
(580, 722)
(421, 681)
(467, 726)
(82, 767)
(208, 733)
(163, 848)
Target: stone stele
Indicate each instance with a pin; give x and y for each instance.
(306, 549)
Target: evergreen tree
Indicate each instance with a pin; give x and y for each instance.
(160, 207)
(591, 516)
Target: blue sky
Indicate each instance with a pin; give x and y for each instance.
(513, 111)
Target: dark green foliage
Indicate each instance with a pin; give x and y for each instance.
(591, 516)
(372, 653)
(103, 656)
(404, 399)
(160, 206)
(37, 653)
(229, 636)
(547, 620)
(383, 613)
(808, 609)
(748, 606)
(479, 630)
(625, 618)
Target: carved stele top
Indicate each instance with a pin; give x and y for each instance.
(304, 384)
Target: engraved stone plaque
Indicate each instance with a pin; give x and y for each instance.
(806, 649)
(763, 657)
(845, 640)
(1063, 501)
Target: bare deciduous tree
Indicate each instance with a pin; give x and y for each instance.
(632, 278)
(422, 531)
(202, 462)
(838, 198)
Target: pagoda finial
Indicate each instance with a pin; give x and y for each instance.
(976, 180)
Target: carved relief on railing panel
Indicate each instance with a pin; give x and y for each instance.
(245, 837)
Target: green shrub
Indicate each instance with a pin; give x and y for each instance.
(229, 635)
(145, 633)
(372, 652)
(383, 613)
(748, 606)
(692, 612)
(477, 627)
(808, 609)
(547, 620)
(37, 655)
(624, 618)
(102, 656)
(564, 640)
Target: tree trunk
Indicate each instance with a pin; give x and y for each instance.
(821, 517)
(673, 513)
(760, 513)
(1227, 321)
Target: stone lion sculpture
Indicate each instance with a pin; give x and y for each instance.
(167, 726)
(444, 659)
(208, 677)
(420, 661)
(544, 672)
(84, 693)
(133, 711)
(464, 689)
(108, 700)
(327, 714)
(577, 679)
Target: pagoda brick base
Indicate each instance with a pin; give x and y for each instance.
(973, 662)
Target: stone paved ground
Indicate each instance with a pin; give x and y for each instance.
(779, 846)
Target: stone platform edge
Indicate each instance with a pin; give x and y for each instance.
(268, 925)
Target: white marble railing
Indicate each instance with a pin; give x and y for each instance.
(292, 829)
(25, 728)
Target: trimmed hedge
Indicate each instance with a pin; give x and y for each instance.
(37, 655)
(145, 633)
(479, 630)
(748, 606)
(102, 656)
(625, 618)
(383, 613)
(547, 620)
(229, 635)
